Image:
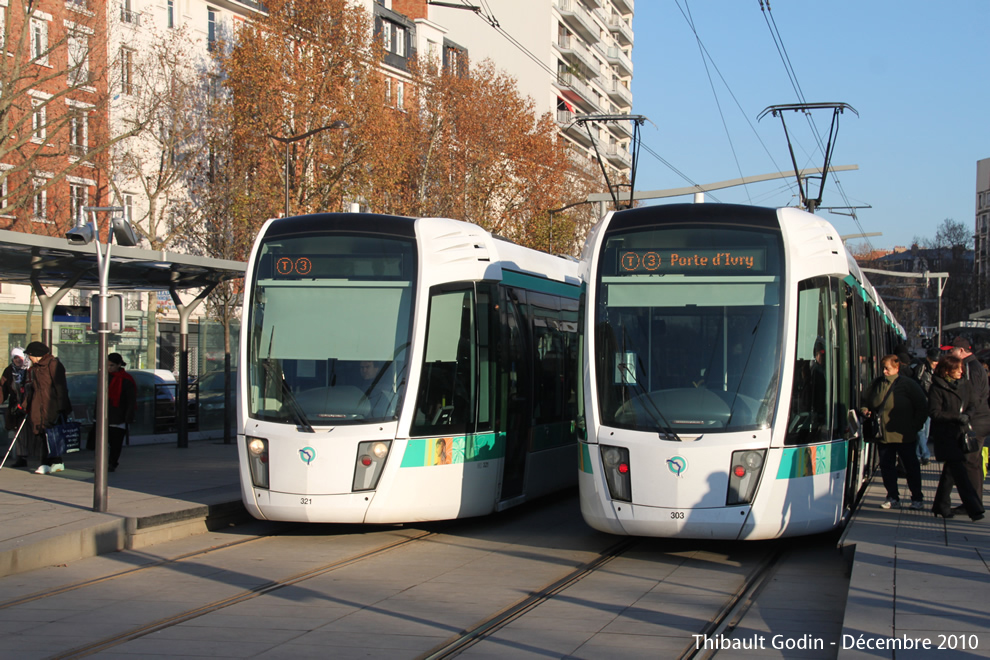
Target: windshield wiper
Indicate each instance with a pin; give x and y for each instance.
(665, 427)
(289, 399)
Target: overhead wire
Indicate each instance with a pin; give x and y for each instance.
(732, 94)
(792, 76)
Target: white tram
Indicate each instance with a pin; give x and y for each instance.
(727, 351)
(399, 369)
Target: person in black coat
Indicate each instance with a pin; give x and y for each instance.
(951, 399)
(979, 417)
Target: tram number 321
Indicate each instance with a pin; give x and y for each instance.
(677, 515)
(305, 500)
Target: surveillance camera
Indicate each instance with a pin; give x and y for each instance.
(124, 232)
(80, 235)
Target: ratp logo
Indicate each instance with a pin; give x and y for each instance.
(308, 455)
(677, 465)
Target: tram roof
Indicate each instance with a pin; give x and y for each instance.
(51, 261)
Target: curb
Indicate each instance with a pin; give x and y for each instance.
(76, 541)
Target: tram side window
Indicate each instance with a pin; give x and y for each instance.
(811, 395)
(446, 402)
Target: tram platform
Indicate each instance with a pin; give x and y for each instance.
(158, 493)
(915, 577)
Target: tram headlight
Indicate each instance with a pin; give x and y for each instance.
(370, 462)
(257, 451)
(744, 475)
(615, 461)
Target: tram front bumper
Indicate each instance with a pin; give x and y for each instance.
(293, 507)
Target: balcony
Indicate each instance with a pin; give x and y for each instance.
(620, 94)
(580, 88)
(617, 58)
(621, 129)
(618, 155)
(620, 27)
(577, 54)
(624, 6)
(131, 17)
(577, 18)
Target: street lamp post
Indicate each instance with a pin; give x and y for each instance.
(296, 138)
(82, 234)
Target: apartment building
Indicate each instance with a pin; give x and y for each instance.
(572, 57)
(982, 233)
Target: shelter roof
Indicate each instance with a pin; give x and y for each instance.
(50, 261)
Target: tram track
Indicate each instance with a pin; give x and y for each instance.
(82, 584)
(260, 590)
(458, 643)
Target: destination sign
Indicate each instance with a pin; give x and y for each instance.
(747, 260)
(330, 266)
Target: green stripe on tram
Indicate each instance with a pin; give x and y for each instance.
(427, 452)
(541, 284)
(796, 462)
(584, 458)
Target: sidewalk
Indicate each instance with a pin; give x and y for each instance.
(158, 493)
(916, 577)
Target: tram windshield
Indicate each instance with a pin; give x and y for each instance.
(688, 329)
(330, 324)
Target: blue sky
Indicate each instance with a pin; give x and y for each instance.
(917, 73)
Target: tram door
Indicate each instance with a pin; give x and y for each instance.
(515, 365)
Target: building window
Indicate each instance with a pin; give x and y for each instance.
(3, 194)
(127, 15)
(40, 201)
(211, 28)
(78, 47)
(388, 91)
(170, 14)
(400, 41)
(127, 71)
(387, 36)
(78, 197)
(128, 204)
(39, 40)
(78, 132)
(400, 94)
(39, 115)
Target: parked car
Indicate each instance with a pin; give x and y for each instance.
(210, 403)
(155, 399)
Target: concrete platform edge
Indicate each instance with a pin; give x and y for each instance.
(77, 541)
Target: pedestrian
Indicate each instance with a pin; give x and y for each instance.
(979, 417)
(951, 399)
(923, 373)
(48, 400)
(121, 404)
(902, 407)
(13, 386)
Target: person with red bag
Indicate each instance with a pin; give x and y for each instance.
(121, 404)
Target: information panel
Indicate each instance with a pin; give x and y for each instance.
(687, 261)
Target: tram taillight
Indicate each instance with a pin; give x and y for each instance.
(744, 475)
(615, 460)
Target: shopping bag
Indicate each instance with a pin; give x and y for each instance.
(63, 438)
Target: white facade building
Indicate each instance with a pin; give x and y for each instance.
(572, 57)
(982, 233)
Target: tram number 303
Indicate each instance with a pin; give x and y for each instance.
(677, 515)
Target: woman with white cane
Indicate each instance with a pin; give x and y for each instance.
(14, 390)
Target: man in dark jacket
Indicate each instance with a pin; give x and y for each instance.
(979, 418)
(903, 408)
(923, 374)
(121, 404)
